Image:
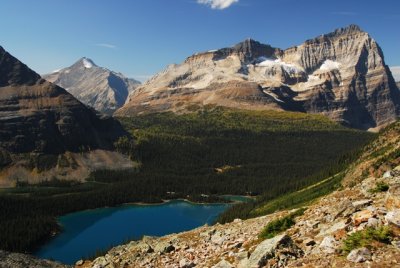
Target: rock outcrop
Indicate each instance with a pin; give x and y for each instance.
(39, 119)
(95, 86)
(341, 74)
(17, 260)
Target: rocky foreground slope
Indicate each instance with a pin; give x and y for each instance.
(17, 260)
(355, 226)
(341, 74)
(95, 86)
(44, 127)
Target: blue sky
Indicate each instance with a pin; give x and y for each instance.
(141, 37)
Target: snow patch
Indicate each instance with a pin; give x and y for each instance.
(272, 95)
(87, 63)
(313, 78)
(330, 65)
(271, 63)
(56, 71)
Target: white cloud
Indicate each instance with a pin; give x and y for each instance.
(396, 72)
(217, 4)
(106, 45)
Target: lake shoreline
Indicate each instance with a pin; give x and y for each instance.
(127, 220)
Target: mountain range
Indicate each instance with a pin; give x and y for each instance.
(341, 74)
(39, 119)
(95, 86)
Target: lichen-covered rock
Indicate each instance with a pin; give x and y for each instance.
(359, 255)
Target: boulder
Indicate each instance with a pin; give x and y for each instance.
(185, 263)
(359, 255)
(163, 247)
(393, 218)
(218, 238)
(392, 200)
(329, 245)
(359, 204)
(362, 216)
(272, 249)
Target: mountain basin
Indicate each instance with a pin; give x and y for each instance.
(86, 232)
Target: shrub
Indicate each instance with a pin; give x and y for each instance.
(380, 187)
(279, 225)
(365, 238)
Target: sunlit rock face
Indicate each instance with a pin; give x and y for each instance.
(95, 86)
(341, 75)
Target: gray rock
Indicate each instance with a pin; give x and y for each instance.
(393, 217)
(359, 255)
(329, 245)
(361, 203)
(218, 238)
(184, 263)
(372, 222)
(163, 247)
(270, 248)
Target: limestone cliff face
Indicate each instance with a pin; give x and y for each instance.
(37, 116)
(341, 74)
(95, 86)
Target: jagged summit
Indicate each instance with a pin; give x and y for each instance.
(98, 87)
(341, 74)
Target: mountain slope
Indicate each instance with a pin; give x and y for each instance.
(38, 117)
(341, 74)
(98, 87)
(355, 226)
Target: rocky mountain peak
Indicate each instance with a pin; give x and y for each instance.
(341, 74)
(250, 49)
(14, 72)
(85, 63)
(98, 87)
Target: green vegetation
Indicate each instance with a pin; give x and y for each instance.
(367, 237)
(269, 154)
(280, 225)
(380, 187)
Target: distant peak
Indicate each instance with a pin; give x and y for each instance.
(87, 63)
(350, 29)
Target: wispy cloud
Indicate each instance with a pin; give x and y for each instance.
(106, 45)
(396, 72)
(217, 4)
(344, 13)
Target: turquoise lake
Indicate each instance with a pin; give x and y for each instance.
(86, 231)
